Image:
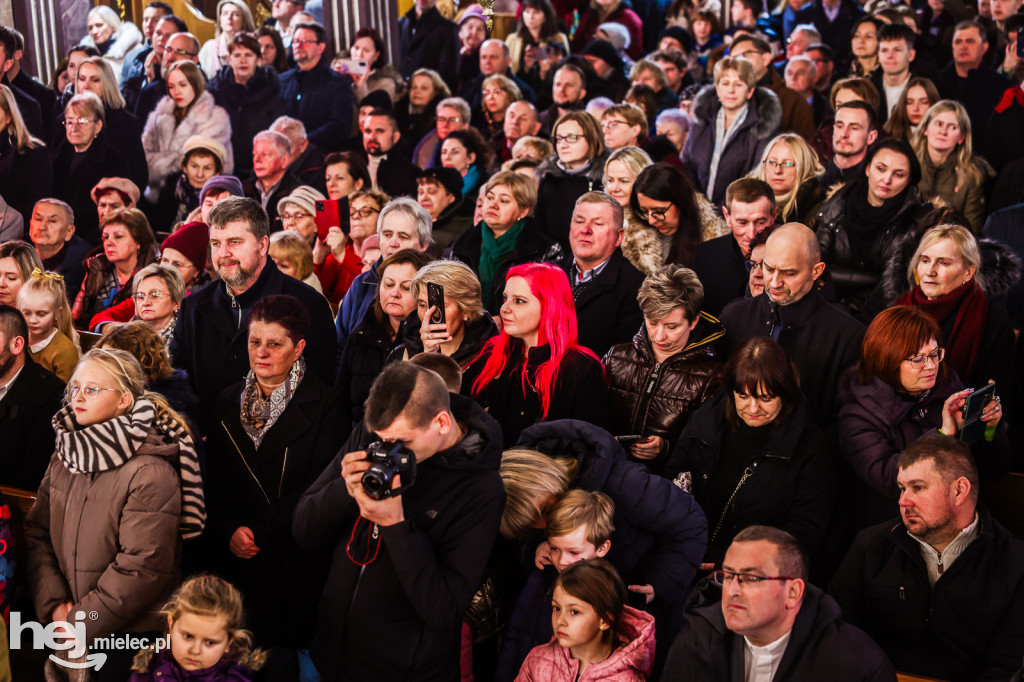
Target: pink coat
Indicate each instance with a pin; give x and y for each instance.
(629, 663)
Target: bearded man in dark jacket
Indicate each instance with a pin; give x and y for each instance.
(406, 566)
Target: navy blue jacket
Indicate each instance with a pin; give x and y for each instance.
(210, 338)
(322, 100)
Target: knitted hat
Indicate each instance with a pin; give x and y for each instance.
(209, 144)
(473, 12)
(123, 185)
(304, 197)
(680, 34)
(222, 183)
(192, 241)
(602, 49)
(449, 178)
(618, 35)
(378, 99)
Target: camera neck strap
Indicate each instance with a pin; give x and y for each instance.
(372, 531)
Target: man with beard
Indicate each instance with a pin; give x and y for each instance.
(856, 129)
(568, 92)
(210, 336)
(29, 397)
(940, 589)
(390, 172)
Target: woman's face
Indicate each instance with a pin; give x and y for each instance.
(268, 51)
(520, 313)
(756, 410)
(844, 95)
(453, 317)
(944, 133)
(177, 260)
(89, 80)
(153, 302)
(119, 246)
(230, 19)
(673, 131)
(421, 91)
(914, 379)
(363, 50)
(865, 40)
(618, 181)
(732, 90)
(533, 19)
(670, 334)
(455, 155)
(81, 128)
(199, 168)
(179, 89)
(941, 270)
(362, 218)
(93, 406)
(755, 280)
(888, 175)
(661, 215)
(243, 62)
(339, 182)
(472, 34)
(917, 104)
(99, 30)
(501, 211)
(780, 169)
(395, 291)
(571, 144)
(297, 219)
(496, 100)
(271, 352)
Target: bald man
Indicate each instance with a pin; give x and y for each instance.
(821, 339)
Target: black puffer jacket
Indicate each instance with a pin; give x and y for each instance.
(791, 485)
(660, 532)
(251, 107)
(473, 339)
(855, 275)
(656, 399)
(557, 192)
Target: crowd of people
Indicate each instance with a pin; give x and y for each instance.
(646, 342)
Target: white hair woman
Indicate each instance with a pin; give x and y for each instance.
(111, 36)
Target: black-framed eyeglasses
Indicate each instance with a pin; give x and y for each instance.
(779, 164)
(935, 356)
(747, 579)
(364, 212)
(753, 264)
(653, 214)
(449, 120)
(559, 139)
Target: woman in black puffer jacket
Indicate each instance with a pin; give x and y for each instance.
(669, 369)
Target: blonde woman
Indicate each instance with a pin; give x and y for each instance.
(949, 168)
(792, 169)
(111, 36)
(640, 244)
(25, 171)
(233, 17)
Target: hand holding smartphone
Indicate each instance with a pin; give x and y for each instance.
(331, 213)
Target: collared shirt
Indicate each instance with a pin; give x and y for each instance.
(6, 387)
(761, 662)
(265, 194)
(939, 562)
(831, 13)
(38, 347)
(587, 275)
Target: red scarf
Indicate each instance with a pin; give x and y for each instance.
(968, 306)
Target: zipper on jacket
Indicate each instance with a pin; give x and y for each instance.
(280, 483)
(235, 306)
(903, 593)
(242, 457)
(747, 473)
(645, 401)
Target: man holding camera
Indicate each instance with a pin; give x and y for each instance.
(405, 565)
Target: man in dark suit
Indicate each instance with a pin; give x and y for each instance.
(721, 263)
(390, 172)
(604, 284)
(29, 397)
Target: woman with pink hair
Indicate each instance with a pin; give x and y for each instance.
(535, 370)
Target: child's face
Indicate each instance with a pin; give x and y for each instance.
(285, 266)
(701, 30)
(369, 258)
(198, 642)
(568, 549)
(37, 307)
(574, 621)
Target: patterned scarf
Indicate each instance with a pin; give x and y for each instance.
(109, 444)
(259, 413)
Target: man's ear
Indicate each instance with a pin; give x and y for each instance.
(817, 270)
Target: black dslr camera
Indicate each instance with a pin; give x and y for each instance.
(388, 459)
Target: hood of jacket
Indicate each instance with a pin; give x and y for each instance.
(708, 330)
(764, 105)
(481, 445)
(595, 449)
(631, 661)
(594, 172)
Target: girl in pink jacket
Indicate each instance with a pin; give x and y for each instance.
(597, 637)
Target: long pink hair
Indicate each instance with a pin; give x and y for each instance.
(557, 329)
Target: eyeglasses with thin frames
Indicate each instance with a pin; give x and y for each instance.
(779, 164)
(154, 296)
(935, 356)
(78, 122)
(745, 579)
(294, 217)
(572, 139)
(753, 264)
(90, 392)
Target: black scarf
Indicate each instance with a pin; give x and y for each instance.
(865, 222)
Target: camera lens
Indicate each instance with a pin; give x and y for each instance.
(376, 484)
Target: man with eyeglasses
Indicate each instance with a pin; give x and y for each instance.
(452, 114)
(623, 125)
(313, 93)
(29, 397)
(941, 589)
(164, 29)
(722, 263)
(771, 624)
(821, 339)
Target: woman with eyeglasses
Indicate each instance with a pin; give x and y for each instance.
(128, 246)
(792, 169)
(158, 291)
(82, 159)
(754, 455)
(902, 390)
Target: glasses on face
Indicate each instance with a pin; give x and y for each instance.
(294, 217)
(744, 579)
(654, 214)
(303, 43)
(154, 296)
(772, 163)
(753, 264)
(572, 139)
(182, 53)
(89, 392)
(78, 122)
(611, 124)
(935, 356)
(364, 212)
(746, 55)
(449, 120)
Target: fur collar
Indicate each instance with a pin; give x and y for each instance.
(641, 244)
(126, 40)
(764, 104)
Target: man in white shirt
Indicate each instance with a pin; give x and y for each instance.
(895, 54)
(771, 625)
